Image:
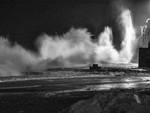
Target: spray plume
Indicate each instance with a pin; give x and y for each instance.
(14, 59)
(73, 48)
(104, 51)
(129, 42)
(107, 53)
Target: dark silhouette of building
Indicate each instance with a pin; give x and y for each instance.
(144, 56)
(95, 67)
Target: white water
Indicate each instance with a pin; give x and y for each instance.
(72, 48)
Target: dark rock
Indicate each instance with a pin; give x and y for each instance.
(113, 103)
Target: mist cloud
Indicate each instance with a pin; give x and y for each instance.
(70, 49)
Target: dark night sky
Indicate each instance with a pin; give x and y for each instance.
(23, 21)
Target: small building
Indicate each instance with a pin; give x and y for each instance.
(95, 67)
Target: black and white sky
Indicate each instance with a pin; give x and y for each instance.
(22, 21)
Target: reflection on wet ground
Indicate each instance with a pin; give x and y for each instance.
(74, 80)
(73, 91)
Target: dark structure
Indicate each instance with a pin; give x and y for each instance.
(144, 56)
(95, 67)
